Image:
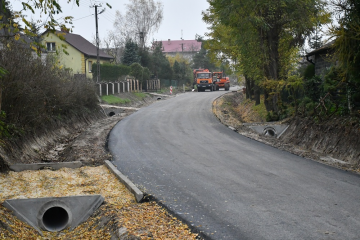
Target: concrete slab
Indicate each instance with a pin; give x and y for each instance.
(54, 213)
(37, 166)
(129, 185)
(273, 130)
(118, 107)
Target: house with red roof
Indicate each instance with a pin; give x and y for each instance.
(81, 53)
(186, 48)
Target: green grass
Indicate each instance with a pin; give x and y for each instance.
(260, 109)
(140, 95)
(111, 99)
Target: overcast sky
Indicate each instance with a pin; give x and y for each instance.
(179, 15)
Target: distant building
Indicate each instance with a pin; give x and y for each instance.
(321, 59)
(186, 48)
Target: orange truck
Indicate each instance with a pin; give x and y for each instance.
(221, 81)
(203, 80)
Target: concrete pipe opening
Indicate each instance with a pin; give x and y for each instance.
(54, 216)
(111, 114)
(55, 219)
(269, 131)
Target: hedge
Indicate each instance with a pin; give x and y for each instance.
(110, 72)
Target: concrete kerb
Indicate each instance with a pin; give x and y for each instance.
(37, 166)
(131, 186)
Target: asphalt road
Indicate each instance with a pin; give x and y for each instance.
(227, 185)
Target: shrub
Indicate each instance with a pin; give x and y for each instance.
(110, 72)
(36, 92)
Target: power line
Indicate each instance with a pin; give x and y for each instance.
(82, 17)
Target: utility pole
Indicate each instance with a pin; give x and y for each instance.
(97, 43)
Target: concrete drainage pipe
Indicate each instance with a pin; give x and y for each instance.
(270, 131)
(54, 216)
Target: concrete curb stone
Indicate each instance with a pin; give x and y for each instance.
(37, 166)
(129, 185)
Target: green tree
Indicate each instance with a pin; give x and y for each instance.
(161, 67)
(314, 40)
(202, 60)
(146, 74)
(7, 21)
(145, 57)
(265, 35)
(347, 49)
(136, 70)
(130, 54)
(176, 70)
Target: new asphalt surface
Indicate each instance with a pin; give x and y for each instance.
(229, 186)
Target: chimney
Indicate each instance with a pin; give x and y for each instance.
(169, 42)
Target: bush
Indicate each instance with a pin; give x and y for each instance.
(313, 88)
(110, 72)
(272, 116)
(309, 71)
(36, 93)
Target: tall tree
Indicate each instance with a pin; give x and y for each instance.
(8, 25)
(347, 48)
(176, 70)
(202, 60)
(142, 19)
(265, 31)
(130, 54)
(315, 38)
(161, 67)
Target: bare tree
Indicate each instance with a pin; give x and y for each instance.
(113, 45)
(142, 19)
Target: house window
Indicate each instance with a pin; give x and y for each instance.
(50, 47)
(90, 66)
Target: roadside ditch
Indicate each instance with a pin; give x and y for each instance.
(119, 217)
(335, 142)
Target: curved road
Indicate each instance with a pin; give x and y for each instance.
(229, 186)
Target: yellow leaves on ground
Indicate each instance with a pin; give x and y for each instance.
(150, 221)
(147, 220)
(64, 182)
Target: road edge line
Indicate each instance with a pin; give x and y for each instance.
(123, 179)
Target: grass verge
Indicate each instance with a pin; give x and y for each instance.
(111, 99)
(140, 95)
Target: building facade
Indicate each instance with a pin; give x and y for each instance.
(74, 52)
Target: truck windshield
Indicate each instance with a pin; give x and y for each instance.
(203, 75)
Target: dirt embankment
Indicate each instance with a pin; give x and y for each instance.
(119, 217)
(78, 138)
(335, 142)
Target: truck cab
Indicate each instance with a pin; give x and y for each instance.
(204, 80)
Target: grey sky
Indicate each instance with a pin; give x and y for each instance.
(178, 15)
